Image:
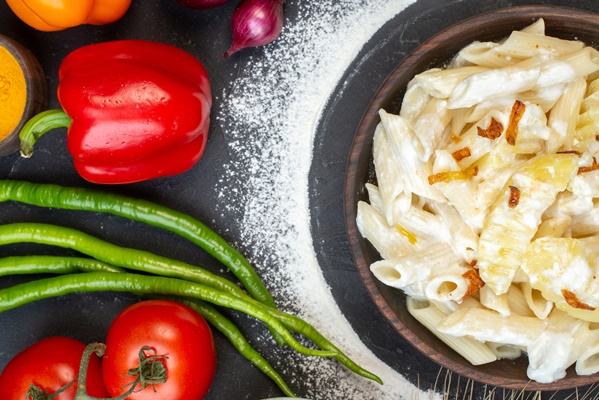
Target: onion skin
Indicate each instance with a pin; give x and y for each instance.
(255, 23)
(201, 4)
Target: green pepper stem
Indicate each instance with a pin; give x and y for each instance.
(39, 125)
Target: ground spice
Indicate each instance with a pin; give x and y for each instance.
(13, 92)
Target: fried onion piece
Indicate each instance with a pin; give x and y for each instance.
(589, 168)
(475, 282)
(462, 153)
(449, 176)
(514, 197)
(573, 301)
(511, 133)
(578, 153)
(493, 131)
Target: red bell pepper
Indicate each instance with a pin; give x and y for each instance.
(135, 110)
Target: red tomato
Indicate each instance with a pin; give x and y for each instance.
(50, 364)
(171, 329)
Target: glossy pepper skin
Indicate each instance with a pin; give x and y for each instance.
(57, 15)
(139, 109)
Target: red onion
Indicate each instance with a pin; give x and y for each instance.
(201, 4)
(255, 23)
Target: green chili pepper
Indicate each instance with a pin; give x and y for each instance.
(298, 325)
(128, 258)
(22, 265)
(28, 292)
(227, 328)
(148, 262)
(132, 259)
(47, 195)
(291, 322)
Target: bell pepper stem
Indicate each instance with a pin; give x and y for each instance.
(40, 124)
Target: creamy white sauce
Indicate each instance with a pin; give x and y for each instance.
(491, 84)
(554, 73)
(549, 356)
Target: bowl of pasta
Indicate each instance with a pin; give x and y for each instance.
(471, 198)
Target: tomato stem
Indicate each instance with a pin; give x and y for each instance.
(37, 393)
(98, 349)
(150, 371)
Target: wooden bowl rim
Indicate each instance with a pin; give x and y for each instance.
(36, 90)
(555, 16)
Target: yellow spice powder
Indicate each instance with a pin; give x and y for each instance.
(13, 93)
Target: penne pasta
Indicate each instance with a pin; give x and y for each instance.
(588, 362)
(461, 237)
(522, 44)
(585, 224)
(449, 284)
(559, 346)
(504, 351)
(537, 183)
(420, 225)
(498, 303)
(539, 305)
(484, 54)
(591, 243)
(537, 27)
(459, 192)
(415, 267)
(518, 303)
(483, 85)
(563, 270)
(408, 154)
(441, 83)
(554, 226)
(563, 117)
(497, 55)
(431, 126)
(487, 325)
(414, 101)
(584, 61)
(486, 209)
(475, 352)
(388, 175)
(374, 197)
(387, 240)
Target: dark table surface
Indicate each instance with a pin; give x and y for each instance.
(207, 34)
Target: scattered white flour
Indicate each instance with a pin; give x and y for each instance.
(269, 119)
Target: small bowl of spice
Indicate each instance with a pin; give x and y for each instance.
(23, 91)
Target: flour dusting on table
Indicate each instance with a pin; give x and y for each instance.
(269, 117)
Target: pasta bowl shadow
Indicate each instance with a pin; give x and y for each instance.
(566, 23)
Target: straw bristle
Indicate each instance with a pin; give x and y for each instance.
(452, 386)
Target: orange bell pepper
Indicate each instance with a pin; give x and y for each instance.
(62, 14)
